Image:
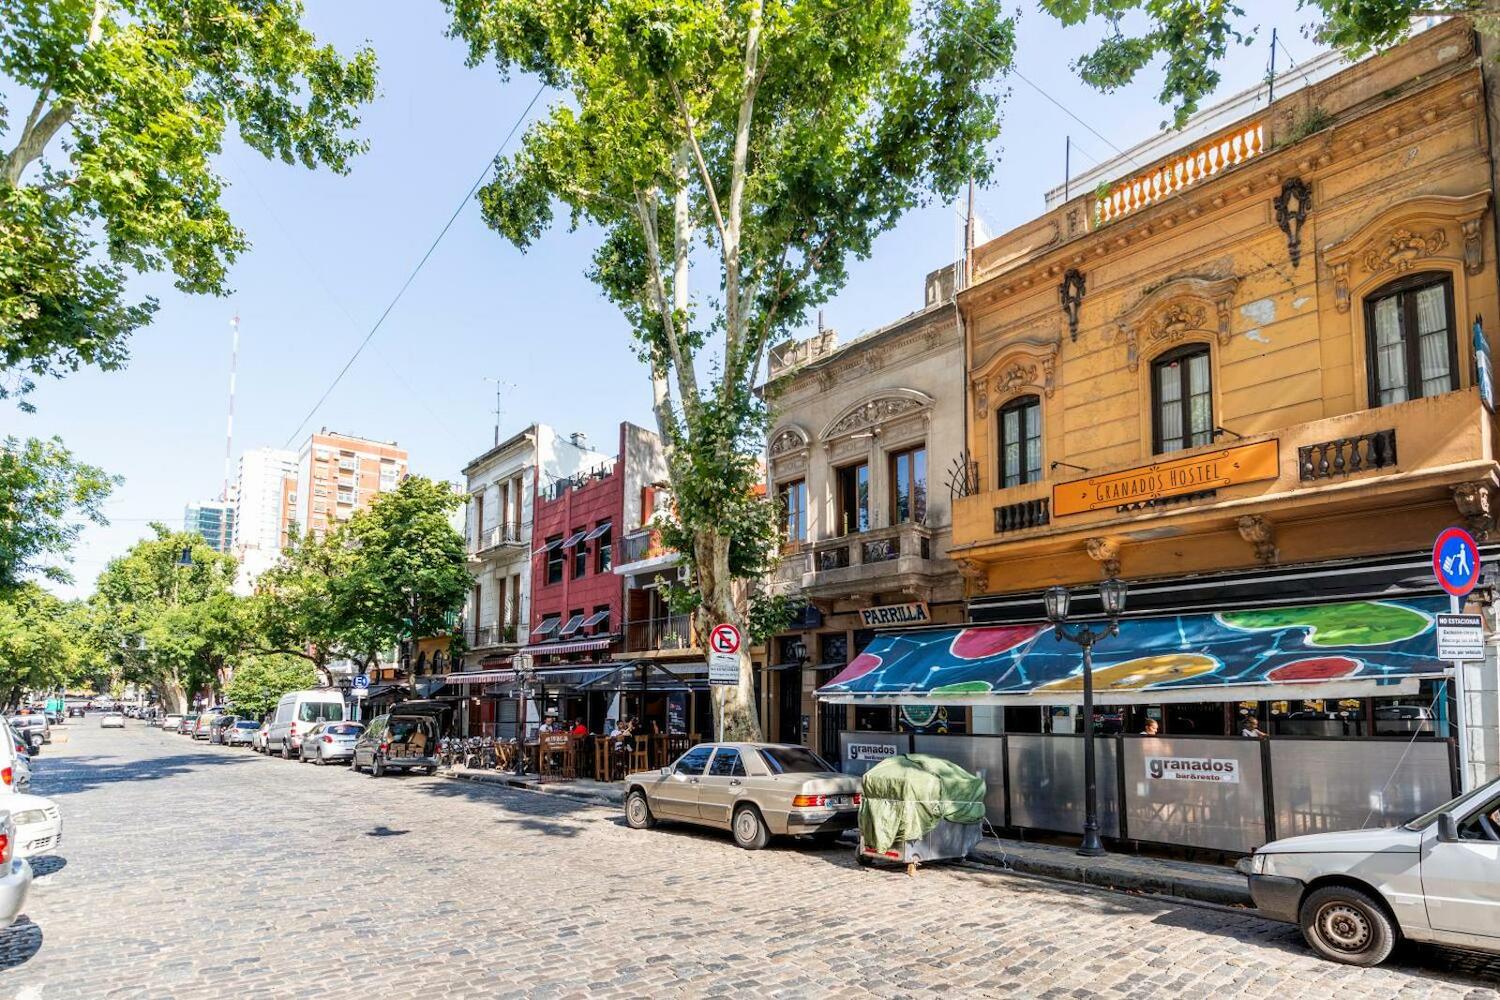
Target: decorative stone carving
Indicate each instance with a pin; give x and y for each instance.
(1401, 248)
(873, 412)
(1049, 374)
(1473, 501)
(1473, 249)
(787, 442)
(1017, 375)
(1105, 552)
(826, 379)
(1261, 534)
(1292, 206)
(975, 575)
(981, 398)
(1071, 293)
(1174, 310)
(1341, 286)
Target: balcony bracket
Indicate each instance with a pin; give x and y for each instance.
(975, 575)
(1473, 501)
(1105, 552)
(1260, 533)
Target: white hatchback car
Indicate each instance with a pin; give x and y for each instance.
(15, 872)
(1435, 879)
(114, 720)
(38, 824)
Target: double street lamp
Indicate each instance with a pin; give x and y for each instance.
(1057, 599)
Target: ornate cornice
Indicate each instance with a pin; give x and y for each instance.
(871, 413)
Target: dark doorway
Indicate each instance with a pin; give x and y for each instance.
(789, 705)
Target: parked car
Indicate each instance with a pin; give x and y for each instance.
(38, 824)
(112, 720)
(170, 722)
(188, 725)
(202, 725)
(15, 762)
(37, 720)
(241, 734)
(296, 712)
(32, 729)
(15, 872)
(753, 790)
(1355, 893)
(219, 725)
(330, 741)
(261, 743)
(406, 738)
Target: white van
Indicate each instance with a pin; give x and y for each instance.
(299, 711)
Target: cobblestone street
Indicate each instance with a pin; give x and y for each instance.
(194, 871)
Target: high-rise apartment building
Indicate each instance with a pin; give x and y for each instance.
(262, 515)
(214, 520)
(338, 474)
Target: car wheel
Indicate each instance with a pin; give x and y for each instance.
(749, 829)
(638, 811)
(286, 750)
(1347, 925)
(322, 761)
(377, 767)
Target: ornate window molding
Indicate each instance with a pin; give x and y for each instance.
(1011, 372)
(1182, 309)
(1432, 227)
(788, 441)
(874, 412)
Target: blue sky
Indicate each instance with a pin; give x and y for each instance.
(329, 252)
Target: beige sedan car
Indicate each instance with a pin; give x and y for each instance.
(754, 790)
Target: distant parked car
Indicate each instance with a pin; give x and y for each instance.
(170, 722)
(262, 741)
(112, 720)
(296, 712)
(218, 726)
(202, 726)
(38, 824)
(15, 873)
(753, 790)
(187, 725)
(329, 741)
(76, 711)
(241, 734)
(32, 729)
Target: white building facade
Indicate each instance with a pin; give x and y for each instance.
(261, 513)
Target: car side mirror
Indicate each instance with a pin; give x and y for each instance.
(666, 771)
(1447, 829)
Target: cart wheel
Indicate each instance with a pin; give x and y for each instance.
(860, 857)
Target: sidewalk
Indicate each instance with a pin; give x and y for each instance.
(1127, 872)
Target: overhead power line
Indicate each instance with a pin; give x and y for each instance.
(418, 269)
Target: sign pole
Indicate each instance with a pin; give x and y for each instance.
(1461, 716)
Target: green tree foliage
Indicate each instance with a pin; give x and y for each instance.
(405, 572)
(393, 571)
(45, 498)
(1193, 36)
(116, 110)
(37, 643)
(763, 141)
(175, 627)
(259, 683)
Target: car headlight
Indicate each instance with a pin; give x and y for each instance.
(30, 816)
(1257, 864)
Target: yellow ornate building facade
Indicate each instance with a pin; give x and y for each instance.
(1255, 352)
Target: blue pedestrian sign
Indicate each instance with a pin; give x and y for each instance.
(1455, 561)
(361, 680)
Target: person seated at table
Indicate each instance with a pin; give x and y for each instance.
(549, 724)
(623, 736)
(579, 729)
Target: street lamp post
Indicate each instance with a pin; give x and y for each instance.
(525, 674)
(1112, 596)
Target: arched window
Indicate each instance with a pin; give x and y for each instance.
(1020, 441)
(1182, 399)
(1411, 342)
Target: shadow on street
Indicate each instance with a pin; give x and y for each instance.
(19, 942)
(47, 864)
(62, 775)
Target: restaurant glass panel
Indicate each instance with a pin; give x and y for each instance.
(1198, 792)
(858, 752)
(1322, 785)
(982, 755)
(1046, 783)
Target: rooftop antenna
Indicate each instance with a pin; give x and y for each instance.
(1271, 81)
(234, 362)
(1067, 166)
(499, 384)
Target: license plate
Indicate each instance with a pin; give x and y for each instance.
(838, 801)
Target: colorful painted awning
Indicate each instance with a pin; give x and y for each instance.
(1319, 651)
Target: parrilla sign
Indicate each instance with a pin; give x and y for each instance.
(895, 614)
(1244, 463)
(1224, 770)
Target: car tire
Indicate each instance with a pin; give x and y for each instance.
(377, 767)
(638, 811)
(749, 829)
(1347, 925)
(286, 750)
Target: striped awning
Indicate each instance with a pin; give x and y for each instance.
(556, 648)
(481, 676)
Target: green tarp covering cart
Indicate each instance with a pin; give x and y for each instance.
(916, 808)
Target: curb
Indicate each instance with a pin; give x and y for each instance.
(532, 785)
(1166, 882)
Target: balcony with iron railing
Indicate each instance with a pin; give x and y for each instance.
(668, 633)
(1433, 444)
(497, 536)
(641, 545)
(900, 555)
(485, 636)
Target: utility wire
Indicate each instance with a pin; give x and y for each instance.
(420, 264)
